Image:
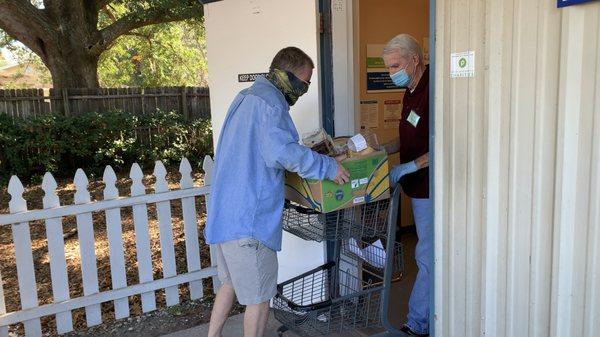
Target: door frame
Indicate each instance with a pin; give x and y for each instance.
(348, 40)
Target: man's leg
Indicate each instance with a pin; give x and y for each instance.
(255, 319)
(221, 308)
(253, 271)
(418, 315)
(225, 295)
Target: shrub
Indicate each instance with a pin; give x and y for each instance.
(61, 144)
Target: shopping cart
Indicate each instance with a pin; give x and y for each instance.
(352, 291)
(366, 220)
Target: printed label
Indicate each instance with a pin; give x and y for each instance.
(413, 118)
(357, 143)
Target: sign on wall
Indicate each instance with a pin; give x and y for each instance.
(565, 3)
(378, 77)
(392, 113)
(249, 77)
(462, 64)
(369, 114)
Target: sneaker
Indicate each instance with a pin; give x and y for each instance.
(409, 332)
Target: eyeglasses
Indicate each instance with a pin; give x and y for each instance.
(291, 74)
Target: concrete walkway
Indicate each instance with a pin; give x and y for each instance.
(399, 306)
(234, 328)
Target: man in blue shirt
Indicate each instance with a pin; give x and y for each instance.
(258, 142)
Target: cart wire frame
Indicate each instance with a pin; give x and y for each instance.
(332, 299)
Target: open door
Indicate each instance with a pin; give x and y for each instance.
(361, 98)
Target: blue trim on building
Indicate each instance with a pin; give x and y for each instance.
(326, 67)
(432, 162)
(565, 3)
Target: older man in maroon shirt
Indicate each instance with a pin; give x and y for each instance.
(403, 57)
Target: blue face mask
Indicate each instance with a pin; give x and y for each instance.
(401, 78)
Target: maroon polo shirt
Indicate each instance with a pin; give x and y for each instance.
(414, 137)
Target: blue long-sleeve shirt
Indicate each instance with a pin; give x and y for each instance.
(258, 142)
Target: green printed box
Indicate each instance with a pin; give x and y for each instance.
(368, 182)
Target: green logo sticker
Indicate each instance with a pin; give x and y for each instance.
(462, 62)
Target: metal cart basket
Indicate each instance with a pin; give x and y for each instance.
(357, 221)
(352, 291)
(327, 299)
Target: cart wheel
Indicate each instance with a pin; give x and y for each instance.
(282, 329)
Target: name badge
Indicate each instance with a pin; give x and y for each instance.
(413, 118)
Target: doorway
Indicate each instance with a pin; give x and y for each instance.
(357, 31)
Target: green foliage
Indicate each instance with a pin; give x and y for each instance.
(27, 146)
(165, 54)
(141, 10)
(172, 54)
(60, 144)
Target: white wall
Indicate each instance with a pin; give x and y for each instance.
(242, 37)
(346, 89)
(516, 177)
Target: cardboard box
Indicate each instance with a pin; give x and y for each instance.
(368, 182)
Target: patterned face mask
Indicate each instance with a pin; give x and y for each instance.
(289, 84)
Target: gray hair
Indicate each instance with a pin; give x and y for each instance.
(406, 45)
(291, 59)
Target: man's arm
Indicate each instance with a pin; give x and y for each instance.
(422, 161)
(279, 149)
(393, 146)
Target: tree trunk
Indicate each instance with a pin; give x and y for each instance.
(72, 71)
(66, 37)
(67, 53)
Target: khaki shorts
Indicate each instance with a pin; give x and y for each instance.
(250, 267)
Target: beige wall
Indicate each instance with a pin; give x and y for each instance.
(21, 76)
(518, 170)
(379, 21)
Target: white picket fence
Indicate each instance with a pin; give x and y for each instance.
(52, 215)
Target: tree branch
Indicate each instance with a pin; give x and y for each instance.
(144, 36)
(108, 13)
(26, 23)
(130, 22)
(24, 11)
(102, 3)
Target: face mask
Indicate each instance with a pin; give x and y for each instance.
(401, 78)
(289, 84)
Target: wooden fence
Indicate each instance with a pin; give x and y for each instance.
(192, 102)
(52, 215)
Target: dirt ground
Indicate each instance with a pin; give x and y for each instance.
(157, 323)
(164, 320)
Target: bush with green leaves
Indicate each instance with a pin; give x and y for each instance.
(62, 144)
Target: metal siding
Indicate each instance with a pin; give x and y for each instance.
(517, 174)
